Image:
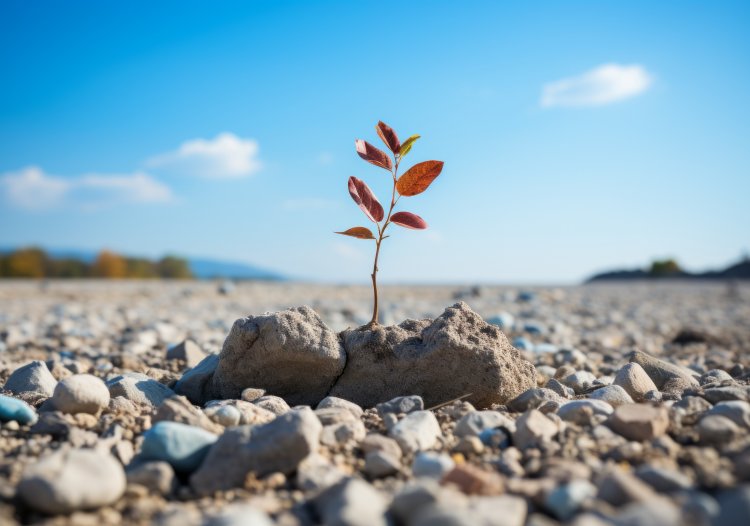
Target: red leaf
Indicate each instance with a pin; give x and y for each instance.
(372, 155)
(388, 136)
(359, 232)
(418, 178)
(409, 220)
(365, 199)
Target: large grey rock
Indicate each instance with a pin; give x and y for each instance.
(291, 354)
(139, 388)
(81, 393)
(279, 445)
(71, 480)
(669, 378)
(456, 354)
(34, 377)
(197, 383)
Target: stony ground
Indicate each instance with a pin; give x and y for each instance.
(640, 414)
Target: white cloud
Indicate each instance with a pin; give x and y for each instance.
(33, 189)
(225, 156)
(605, 84)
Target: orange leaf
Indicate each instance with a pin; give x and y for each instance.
(365, 199)
(409, 220)
(418, 178)
(359, 232)
(372, 155)
(388, 136)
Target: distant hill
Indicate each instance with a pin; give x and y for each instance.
(738, 271)
(201, 268)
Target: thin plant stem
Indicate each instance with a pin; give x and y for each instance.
(381, 237)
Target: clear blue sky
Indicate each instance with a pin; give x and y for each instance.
(577, 136)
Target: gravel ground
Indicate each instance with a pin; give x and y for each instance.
(640, 414)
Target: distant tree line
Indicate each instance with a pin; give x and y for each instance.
(36, 263)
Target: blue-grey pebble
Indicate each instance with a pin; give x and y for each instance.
(15, 409)
(182, 446)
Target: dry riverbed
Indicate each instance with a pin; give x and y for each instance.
(638, 413)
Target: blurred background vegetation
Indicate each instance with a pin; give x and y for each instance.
(32, 262)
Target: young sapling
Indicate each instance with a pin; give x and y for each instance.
(414, 181)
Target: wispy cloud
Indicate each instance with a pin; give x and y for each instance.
(33, 189)
(225, 156)
(605, 84)
(325, 158)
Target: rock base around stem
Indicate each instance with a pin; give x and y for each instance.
(294, 355)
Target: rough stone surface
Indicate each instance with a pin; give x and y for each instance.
(34, 377)
(81, 393)
(456, 354)
(71, 480)
(279, 446)
(291, 354)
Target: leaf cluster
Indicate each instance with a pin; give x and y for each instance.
(413, 182)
